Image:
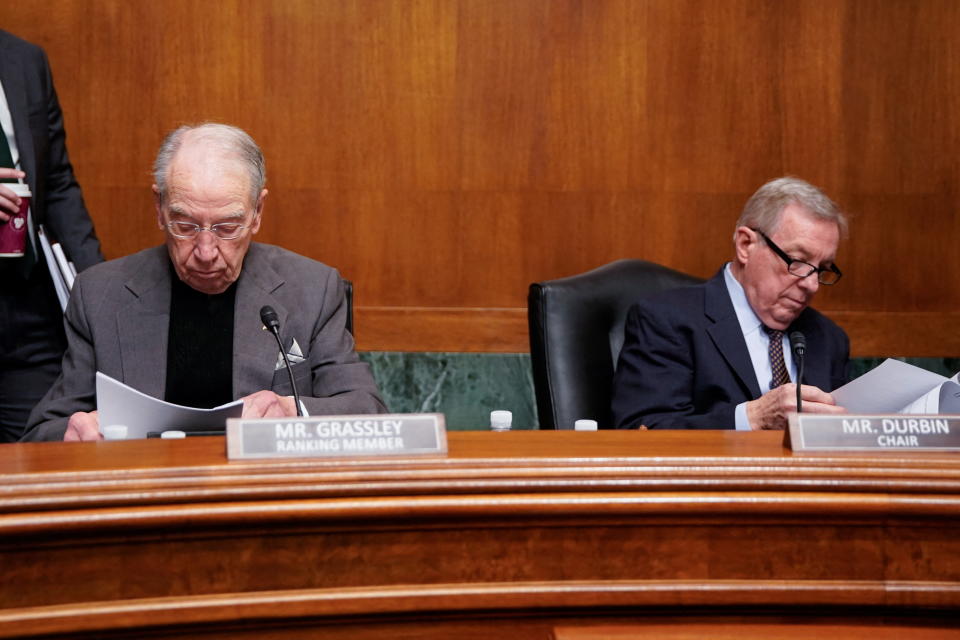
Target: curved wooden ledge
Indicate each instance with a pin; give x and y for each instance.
(56, 476)
(472, 600)
(418, 512)
(507, 536)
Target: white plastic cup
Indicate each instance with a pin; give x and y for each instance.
(585, 425)
(173, 434)
(115, 432)
(501, 420)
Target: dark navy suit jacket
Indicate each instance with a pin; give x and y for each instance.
(38, 127)
(685, 364)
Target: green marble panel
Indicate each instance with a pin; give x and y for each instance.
(466, 387)
(943, 366)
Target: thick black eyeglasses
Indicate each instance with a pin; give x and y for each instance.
(801, 269)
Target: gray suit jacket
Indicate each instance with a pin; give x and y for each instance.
(38, 125)
(118, 318)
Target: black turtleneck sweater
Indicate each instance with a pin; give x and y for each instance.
(200, 346)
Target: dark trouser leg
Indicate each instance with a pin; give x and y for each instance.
(32, 343)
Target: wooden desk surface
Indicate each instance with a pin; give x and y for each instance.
(533, 528)
(53, 476)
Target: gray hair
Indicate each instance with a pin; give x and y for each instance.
(231, 140)
(764, 207)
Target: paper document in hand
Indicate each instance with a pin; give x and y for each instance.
(120, 404)
(898, 387)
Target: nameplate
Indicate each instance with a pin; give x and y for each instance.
(362, 436)
(811, 432)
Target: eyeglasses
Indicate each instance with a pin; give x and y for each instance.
(223, 230)
(801, 269)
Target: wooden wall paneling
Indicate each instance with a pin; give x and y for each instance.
(712, 96)
(595, 120)
(445, 154)
(811, 83)
(899, 74)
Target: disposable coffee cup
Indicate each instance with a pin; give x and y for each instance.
(13, 232)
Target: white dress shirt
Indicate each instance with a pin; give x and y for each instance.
(758, 344)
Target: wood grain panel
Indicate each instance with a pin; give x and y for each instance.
(166, 538)
(521, 611)
(446, 153)
(872, 334)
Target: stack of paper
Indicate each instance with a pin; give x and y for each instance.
(61, 270)
(898, 387)
(120, 404)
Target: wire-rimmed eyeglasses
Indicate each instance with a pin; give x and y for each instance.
(223, 230)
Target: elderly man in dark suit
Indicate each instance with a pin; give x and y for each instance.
(181, 321)
(33, 149)
(716, 355)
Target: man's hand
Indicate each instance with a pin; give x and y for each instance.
(83, 426)
(9, 201)
(770, 410)
(267, 404)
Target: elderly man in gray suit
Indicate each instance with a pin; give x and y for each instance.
(182, 322)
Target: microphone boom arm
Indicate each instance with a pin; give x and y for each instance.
(269, 318)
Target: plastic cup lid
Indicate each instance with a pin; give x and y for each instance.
(115, 432)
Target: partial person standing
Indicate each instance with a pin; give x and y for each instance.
(33, 151)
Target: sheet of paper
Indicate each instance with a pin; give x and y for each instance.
(927, 403)
(63, 291)
(118, 403)
(65, 271)
(949, 397)
(887, 389)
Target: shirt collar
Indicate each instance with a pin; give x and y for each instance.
(746, 316)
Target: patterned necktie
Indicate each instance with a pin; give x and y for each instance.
(777, 365)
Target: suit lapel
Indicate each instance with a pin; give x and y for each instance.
(143, 324)
(11, 75)
(816, 361)
(255, 350)
(726, 334)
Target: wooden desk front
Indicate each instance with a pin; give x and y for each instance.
(521, 534)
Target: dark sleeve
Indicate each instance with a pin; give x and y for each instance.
(65, 213)
(656, 383)
(840, 360)
(75, 389)
(339, 382)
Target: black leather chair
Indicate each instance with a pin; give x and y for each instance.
(576, 333)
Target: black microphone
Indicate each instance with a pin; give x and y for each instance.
(798, 342)
(270, 320)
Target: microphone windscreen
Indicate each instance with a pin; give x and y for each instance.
(269, 318)
(798, 342)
